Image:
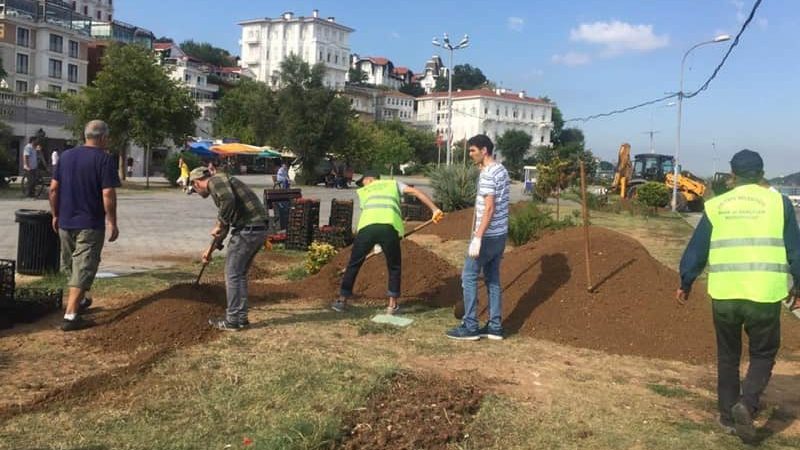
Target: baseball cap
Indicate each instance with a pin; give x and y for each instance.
(371, 173)
(747, 163)
(198, 173)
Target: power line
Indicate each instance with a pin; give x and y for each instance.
(623, 110)
(693, 94)
(730, 49)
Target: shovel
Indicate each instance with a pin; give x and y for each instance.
(216, 244)
(421, 226)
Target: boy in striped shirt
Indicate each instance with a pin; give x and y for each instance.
(488, 241)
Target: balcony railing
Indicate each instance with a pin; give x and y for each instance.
(53, 12)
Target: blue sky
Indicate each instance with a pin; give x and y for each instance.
(589, 56)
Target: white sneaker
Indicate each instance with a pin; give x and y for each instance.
(793, 305)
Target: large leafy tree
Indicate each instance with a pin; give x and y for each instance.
(313, 119)
(464, 77)
(208, 53)
(513, 146)
(391, 148)
(412, 89)
(357, 76)
(138, 100)
(248, 112)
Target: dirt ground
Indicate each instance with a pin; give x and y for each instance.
(412, 411)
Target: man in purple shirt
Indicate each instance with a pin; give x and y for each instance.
(83, 201)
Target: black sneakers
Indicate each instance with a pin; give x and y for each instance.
(78, 323)
(84, 305)
(224, 325)
(743, 422)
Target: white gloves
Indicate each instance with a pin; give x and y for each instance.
(474, 248)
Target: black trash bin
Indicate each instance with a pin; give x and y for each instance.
(38, 245)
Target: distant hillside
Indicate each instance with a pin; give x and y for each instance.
(788, 180)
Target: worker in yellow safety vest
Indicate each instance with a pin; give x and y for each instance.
(750, 240)
(381, 223)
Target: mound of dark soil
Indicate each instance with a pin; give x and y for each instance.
(424, 276)
(172, 318)
(455, 225)
(412, 412)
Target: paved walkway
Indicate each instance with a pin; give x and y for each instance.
(161, 228)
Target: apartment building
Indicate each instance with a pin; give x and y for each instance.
(267, 42)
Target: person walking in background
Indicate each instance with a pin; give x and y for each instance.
(183, 177)
(83, 202)
(750, 241)
(283, 176)
(489, 232)
(129, 164)
(30, 164)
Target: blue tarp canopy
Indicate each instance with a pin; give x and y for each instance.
(202, 148)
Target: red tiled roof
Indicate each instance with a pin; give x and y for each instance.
(378, 60)
(401, 70)
(396, 94)
(488, 94)
(162, 45)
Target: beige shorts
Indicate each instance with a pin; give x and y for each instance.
(80, 256)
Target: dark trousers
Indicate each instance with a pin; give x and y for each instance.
(385, 236)
(32, 178)
(761, 322)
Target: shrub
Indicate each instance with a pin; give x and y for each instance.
(454, 187)
(318, 255)
(653, 195)
(530, 222)
(7, 168)
(171, 170)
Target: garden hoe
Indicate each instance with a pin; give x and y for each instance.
(216, 244)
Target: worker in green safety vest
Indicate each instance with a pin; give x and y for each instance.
(381, 223)
(750, 240)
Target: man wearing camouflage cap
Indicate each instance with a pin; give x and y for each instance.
(242, 212)
(750, 240)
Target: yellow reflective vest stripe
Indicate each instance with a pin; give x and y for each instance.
(747, 256)
(380, 203)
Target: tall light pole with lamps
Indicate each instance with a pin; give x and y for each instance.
(716, 40)
(447, 45)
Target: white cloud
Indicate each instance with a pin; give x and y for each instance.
(572, 59)
(619, 37)
(395, 35)
(516, 23)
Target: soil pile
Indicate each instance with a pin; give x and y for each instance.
(172, 318)
(412, 412)
(424, 275)
(455, 225)
(632, 311)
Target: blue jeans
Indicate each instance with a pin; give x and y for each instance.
(488, 261)
(242, 248)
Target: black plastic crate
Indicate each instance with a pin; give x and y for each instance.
(7, 270)
(32, 304)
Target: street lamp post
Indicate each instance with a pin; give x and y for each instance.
(718, 39)
(447, 45)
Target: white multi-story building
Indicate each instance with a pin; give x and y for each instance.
(380, 71)
(490, 112)
(193, 74)
(100, 10)
(267, 42)
(43, 45)
(433, 70)
(395, 105)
